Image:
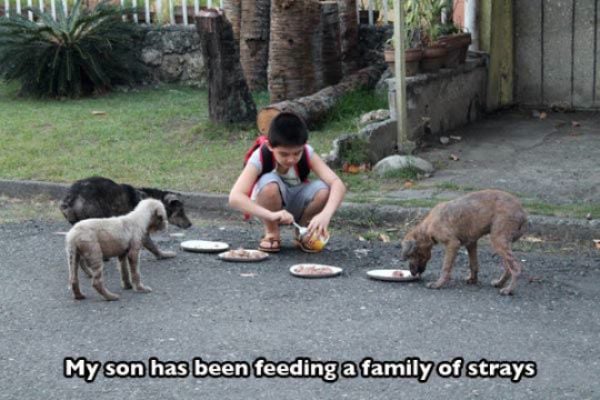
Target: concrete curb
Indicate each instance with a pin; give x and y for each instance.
(215, 205)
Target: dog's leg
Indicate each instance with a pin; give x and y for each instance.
(511, 266)
(515, 271)
(96, 267)
(124, 268)
(449, 256)
(151, 246)
(498, 283)
(74, 260)
(85, 268)
(473, 263)
(133, 258)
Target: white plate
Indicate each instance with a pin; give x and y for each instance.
(204, 246)
(297, 270)
(392, 275)
(246, 256)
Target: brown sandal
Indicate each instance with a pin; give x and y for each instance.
(271, 248)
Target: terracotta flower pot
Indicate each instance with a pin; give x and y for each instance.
(412, 57)
(465, 41)
(434, 57)
(457, 46)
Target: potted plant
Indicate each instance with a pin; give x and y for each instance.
(412, 56)
(425, 15)
(455, 41)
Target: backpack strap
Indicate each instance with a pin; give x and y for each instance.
(303, 166)
(267, 159)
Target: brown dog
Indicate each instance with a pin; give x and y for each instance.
(461, 222)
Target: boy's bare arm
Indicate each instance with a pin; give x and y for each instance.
(337, 189)
(240, 200)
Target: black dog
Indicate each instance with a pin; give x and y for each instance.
(98, 197)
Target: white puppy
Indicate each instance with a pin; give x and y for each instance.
(91, 241)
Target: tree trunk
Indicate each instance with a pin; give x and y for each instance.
(348, 35)
(233, 13)
(314, 108)
(291, 69)
(229, 99)
(254, 42)
(329, 69)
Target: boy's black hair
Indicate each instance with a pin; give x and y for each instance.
(287, 129)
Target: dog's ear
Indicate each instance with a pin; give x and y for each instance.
(172, 199)
(408, 248)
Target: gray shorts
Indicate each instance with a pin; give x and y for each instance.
(295, 198)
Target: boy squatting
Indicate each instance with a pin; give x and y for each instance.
(282, 194)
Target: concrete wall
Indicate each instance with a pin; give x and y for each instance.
(441, 102)
(557, 54)
(437, 103)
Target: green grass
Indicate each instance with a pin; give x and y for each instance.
(154, 136)
(162, 137)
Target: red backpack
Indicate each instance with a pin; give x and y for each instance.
(268, 161)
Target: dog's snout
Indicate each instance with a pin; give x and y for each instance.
(180, 221)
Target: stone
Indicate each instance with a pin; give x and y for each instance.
(171, 68)
(444, 140)
(151, 57)
(374, 116)
(173, 55)
(397, 162)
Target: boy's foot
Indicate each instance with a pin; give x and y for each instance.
(270, 244)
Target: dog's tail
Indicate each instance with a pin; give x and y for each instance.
(524, 228)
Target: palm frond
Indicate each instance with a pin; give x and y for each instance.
(83, 51)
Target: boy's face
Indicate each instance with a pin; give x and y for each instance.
(287, 156)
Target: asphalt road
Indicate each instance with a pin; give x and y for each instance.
(204, 308)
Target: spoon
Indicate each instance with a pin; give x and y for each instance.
(301, 230)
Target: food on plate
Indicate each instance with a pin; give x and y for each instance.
(313, 270)
(399, 274)
(244, 254)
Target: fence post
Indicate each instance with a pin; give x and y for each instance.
(147, 11)
(159, 11)
(135, 11)
(184, 12)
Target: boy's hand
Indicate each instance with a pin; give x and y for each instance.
(319, 224)
(283, 217)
